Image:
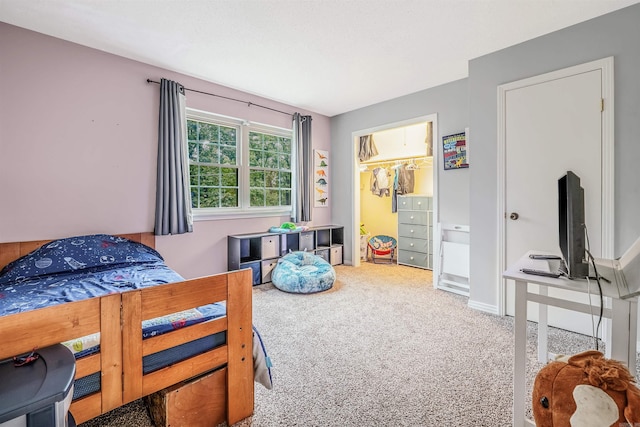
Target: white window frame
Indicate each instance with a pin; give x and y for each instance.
(244, 210)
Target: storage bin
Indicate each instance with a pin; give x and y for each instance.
(270, 246)
(324, 254)
(267, 266)
(307, 241)
(335, 256)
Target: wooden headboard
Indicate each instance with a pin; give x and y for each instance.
(13, 250)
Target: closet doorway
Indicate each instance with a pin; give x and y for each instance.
(410, 144)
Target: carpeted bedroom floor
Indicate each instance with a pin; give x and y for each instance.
(381, 348)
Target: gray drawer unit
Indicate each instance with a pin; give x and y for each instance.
(415, 259)
(416, 245)
(415, 231)
(412, 217)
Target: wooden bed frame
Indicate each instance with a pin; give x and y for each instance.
(118, 319)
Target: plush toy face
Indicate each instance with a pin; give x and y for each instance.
(585, 391)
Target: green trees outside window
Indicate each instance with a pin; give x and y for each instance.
(216, 171)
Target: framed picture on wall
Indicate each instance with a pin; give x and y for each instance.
(320, 178)
(454, 151)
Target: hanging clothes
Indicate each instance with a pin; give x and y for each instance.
(403, 183)
(367, 148)
(380, 182)
(406, 180)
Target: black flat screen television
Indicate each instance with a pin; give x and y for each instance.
(571, 226)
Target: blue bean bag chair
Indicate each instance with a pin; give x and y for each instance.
(303, 273)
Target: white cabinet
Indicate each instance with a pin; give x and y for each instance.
(415, 231)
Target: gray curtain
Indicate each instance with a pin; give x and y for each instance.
(301, 201)
(173, 195)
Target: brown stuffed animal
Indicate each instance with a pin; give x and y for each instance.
(586, 390)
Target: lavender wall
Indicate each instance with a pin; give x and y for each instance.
(78, 137)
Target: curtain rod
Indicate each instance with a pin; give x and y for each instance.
(249, 104)
(396, 160)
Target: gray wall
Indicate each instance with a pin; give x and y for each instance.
(616, 34)
(470, 196)
(449, 101)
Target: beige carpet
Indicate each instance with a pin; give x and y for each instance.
(381, 348)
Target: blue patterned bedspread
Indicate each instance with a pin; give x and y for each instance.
(78, 268)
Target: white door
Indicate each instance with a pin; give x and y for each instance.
(550, 128)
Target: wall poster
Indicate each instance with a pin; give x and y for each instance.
(454, 151)
(320, 178)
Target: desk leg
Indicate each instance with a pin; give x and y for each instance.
(623, 332)
(520, 359)
(543, 330)
(633, 335)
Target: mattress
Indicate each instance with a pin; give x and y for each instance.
(90, 344)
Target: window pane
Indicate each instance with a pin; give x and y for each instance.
(271, 179)
(228, 156)
(272, 197)
(285, 145)
(285, 197)
(193, 151)
(208, 132)
(192, 130)
(256, 178)
(229, 177)
(193, 177)
(257, 197)
(209, 176)
(284, 161)
(270, 142)
(228, 135)
(229, 198)
(285, 179)
(209, 197)
(208, 153)
(255, 158)
(270, 160)
(255, 141)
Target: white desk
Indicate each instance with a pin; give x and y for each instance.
(623, 314)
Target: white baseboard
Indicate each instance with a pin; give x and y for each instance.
(483, 307)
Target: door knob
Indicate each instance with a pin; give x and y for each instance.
(514, 216)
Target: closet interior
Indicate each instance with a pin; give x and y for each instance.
(396, 165)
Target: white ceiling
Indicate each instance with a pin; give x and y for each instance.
(326, 56)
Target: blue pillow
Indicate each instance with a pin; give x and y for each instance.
(90, 253)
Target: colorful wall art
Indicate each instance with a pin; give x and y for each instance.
(320, 178)
(454, 150)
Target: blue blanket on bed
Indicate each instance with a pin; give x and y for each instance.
(78, 268)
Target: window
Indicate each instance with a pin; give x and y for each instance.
(222, 181)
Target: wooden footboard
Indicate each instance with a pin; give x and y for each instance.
(236, 354)
(22, 332)
(118, 318)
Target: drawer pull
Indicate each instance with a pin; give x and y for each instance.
(419, 203)
(411, 217)
(412, 231)
(411, 244)
(411, 258)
